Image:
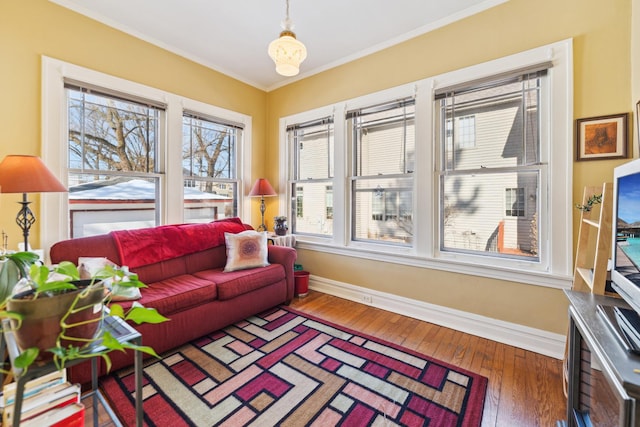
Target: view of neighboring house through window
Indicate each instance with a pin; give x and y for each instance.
(311, 180)
(113, 164)
(502, 118)
(208, 164)
(382, 139)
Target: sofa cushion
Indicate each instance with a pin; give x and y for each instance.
(176, 294)
(246, 250)
(232, 284)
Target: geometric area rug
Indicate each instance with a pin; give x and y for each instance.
(287, 368)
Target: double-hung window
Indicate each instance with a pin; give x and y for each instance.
(490, 190)
(382, 140)
(209, 167)
(113, 167)
(311, 182)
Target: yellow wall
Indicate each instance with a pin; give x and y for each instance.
(601, 32)
(31, 28)
(602, 84)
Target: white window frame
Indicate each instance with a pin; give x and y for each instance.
(555, 267)
(54, 224)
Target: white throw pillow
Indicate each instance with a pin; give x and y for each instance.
(247, 249)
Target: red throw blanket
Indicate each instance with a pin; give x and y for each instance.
(149, 245)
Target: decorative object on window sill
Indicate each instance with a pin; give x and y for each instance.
(27, 174)
(603, 137)
(280, 226)
(286, 51)
(263, 189)
(593, 200)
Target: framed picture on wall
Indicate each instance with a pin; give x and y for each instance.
(603, 137)
(637, 124)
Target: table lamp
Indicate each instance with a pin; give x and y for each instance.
(263, 189)
(27, 174)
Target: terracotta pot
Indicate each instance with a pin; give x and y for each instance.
(41, 318)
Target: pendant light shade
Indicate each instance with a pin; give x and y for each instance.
(286, 51)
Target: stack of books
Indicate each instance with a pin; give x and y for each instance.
(49, 400)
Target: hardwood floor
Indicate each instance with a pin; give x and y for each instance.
(525, 388)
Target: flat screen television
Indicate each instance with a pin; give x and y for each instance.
(625, 271)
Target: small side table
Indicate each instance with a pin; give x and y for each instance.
(288, 240)
(120, 330)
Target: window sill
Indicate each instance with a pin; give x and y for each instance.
(455, 266)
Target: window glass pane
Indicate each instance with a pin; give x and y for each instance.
(113, 179)
(314, 152)
(99, 204)
(474, 217)
(208, 148)
(503, 121)
(205, 200)
(209, 167)
(383, 210)
(384, 141)
(310, 207)
(110, 134)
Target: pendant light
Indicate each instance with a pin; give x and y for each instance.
(286, 51)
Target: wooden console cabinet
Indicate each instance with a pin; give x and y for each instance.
(604, 379)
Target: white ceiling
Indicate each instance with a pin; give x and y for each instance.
(232, 36)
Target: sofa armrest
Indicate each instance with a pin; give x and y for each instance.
(285, 256)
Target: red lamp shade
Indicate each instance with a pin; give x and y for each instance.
(27, 174)
(262, 188)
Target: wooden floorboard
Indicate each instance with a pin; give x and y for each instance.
(524, 389)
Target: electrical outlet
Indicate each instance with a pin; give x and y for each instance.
(367, 299)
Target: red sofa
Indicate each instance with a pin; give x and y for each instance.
(183, 268)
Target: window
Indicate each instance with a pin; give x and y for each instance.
(468, 171)
(299, 197)
(312, 176)
(135, 156)
(507, 113)
(465, 132)
(113, 171)
(329, 202)
(382, 139)
(514, 202)
(208, 162)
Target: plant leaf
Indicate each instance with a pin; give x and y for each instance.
(26, 358)
(68, 269)
(142, 348)
(141, 314)
(116, 310)
(110, 342)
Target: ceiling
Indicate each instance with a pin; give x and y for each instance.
(232, 36)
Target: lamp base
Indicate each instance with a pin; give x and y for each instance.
(25, 219)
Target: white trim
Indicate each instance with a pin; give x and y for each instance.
(532, 339)
(54, 207)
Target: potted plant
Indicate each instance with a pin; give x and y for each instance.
(59, 318)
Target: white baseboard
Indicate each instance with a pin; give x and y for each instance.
(536, 340)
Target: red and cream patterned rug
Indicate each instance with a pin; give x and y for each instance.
(287, 368)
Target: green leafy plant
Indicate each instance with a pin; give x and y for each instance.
(68, 347)
(593, 200)
(14, 266)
